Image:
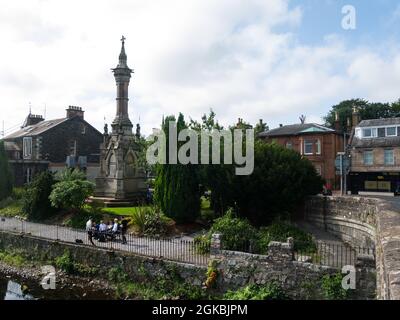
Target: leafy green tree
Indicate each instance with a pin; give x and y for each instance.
(344, 110)
(280, 181)
(36, 203)
(367, 110)
(71, 190)
(215, 177)
(6, 181)
(177, 186)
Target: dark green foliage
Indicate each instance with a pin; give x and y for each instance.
(67, 264)
(270, 291)
(177, 186)
(332, 287)
(155, 224)
(36, 203)
(280, 182)
(6, 178)
(71, 190)
(280, 231)
(237, 233)
(367, 110)
(79, 219)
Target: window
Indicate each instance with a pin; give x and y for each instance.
(308, 146)
(398, 131)
(318, 147)
(391, 131)
(289, 145)
(389, 157)
(368, 158)
(381, 132)
(367, 133)
(28, 175)
(72, 148)
(27, 146)
(83, 129)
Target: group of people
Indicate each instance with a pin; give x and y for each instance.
(102, 231)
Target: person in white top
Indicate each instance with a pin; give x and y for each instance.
(115, 226)
(89, 224)
(102, 227)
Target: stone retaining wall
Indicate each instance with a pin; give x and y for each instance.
(364, 222)
(300, 280)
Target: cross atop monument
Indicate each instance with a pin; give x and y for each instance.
(123, 39)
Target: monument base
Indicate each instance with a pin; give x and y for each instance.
(113, 202)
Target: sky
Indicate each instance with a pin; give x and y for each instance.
(253, 59)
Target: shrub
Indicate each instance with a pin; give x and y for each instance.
(237, 233)
(177, 185)
(280, 182)
(332, 287)
(65, 262)
(280, 231)
(150, 221)
(79, 219)
(269, 291)
(68, 265)
(36, 203)
(71, 190)
(18, 193)
(138, 219)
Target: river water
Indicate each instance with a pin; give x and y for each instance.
(12, 288)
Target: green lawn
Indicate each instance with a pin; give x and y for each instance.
(120, 211)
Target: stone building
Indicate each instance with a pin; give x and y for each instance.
(52, 145)
(375, 156)
(317, 143)
(121, 179)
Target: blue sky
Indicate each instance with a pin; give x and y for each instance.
(375, 20)
(269, 59)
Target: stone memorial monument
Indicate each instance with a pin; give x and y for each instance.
(120, 180)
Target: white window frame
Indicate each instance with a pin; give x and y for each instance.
(289, 145)
(391, 163)
(391, 135)
(28, 177)
(27, 147)
(366, 136)
(308, 142)
(319, 149)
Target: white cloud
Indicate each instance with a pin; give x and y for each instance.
(188, 56)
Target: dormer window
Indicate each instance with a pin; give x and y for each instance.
(391, 131)
(27, 147)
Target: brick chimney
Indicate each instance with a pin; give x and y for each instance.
(74, 111)
(337, 122)
(355, 118)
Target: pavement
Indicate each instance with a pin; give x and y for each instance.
(181, 249)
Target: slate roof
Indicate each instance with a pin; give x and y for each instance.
(35, 129)
(386, 142)
(379, 122)
(296, 129)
